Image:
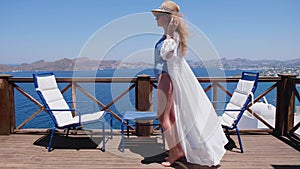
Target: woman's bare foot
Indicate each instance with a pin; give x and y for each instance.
(166, 164)
(174, 155)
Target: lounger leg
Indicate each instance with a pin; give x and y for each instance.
(51, 139)
(240, 140)
(127, 128)
(111, 126)
(122, 144)
(68, 130)
(103, 136)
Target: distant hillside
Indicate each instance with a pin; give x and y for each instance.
(89, 64)
(70, 64)
(260, 64)
(241, 63)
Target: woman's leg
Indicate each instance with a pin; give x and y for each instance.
(175, 151)
(164, 101)
(166, 116)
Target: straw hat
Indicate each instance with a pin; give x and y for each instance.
(167, 7)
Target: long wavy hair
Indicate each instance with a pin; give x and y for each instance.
(183, 36)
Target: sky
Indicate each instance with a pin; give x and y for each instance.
(32, 30)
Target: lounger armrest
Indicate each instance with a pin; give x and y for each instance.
(229, 109)
(220, 101)
(71, 110)
(79, 102)
(61, 109)
(88, 102)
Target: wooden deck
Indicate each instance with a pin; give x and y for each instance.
(28, 151)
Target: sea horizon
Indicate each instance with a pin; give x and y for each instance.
(127, 72)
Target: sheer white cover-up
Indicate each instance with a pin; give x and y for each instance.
(199, 128)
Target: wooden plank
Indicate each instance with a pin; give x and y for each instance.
(18, 151)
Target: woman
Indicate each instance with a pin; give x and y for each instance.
(189, 121)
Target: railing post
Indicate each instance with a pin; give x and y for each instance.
(7, 114)
(73, 98)
(285, 105)
(215, 94)
(143, 102)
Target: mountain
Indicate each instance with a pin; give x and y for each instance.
(90, 64)
(70, 64)
(239, 63)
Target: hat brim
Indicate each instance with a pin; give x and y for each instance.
(155, 12)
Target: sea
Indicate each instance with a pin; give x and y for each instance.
(106, 92)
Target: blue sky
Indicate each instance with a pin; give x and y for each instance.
(31, 30)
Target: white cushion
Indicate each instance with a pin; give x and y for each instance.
(227, 120)
(85, 118)
(228, 117)
(52, 95)
(90, 117)
(237, 101)
(48, 87)
(62, 117)
(230, 106)
(244, 86)
(46, 82)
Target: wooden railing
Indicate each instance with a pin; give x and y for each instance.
(295, 97)
(144, 85)
(215, 86)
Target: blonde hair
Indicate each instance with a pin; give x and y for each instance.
(182, 31)
(183, 34)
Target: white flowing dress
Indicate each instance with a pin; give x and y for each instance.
(199, 128)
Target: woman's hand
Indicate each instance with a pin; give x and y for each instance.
(172, 26)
